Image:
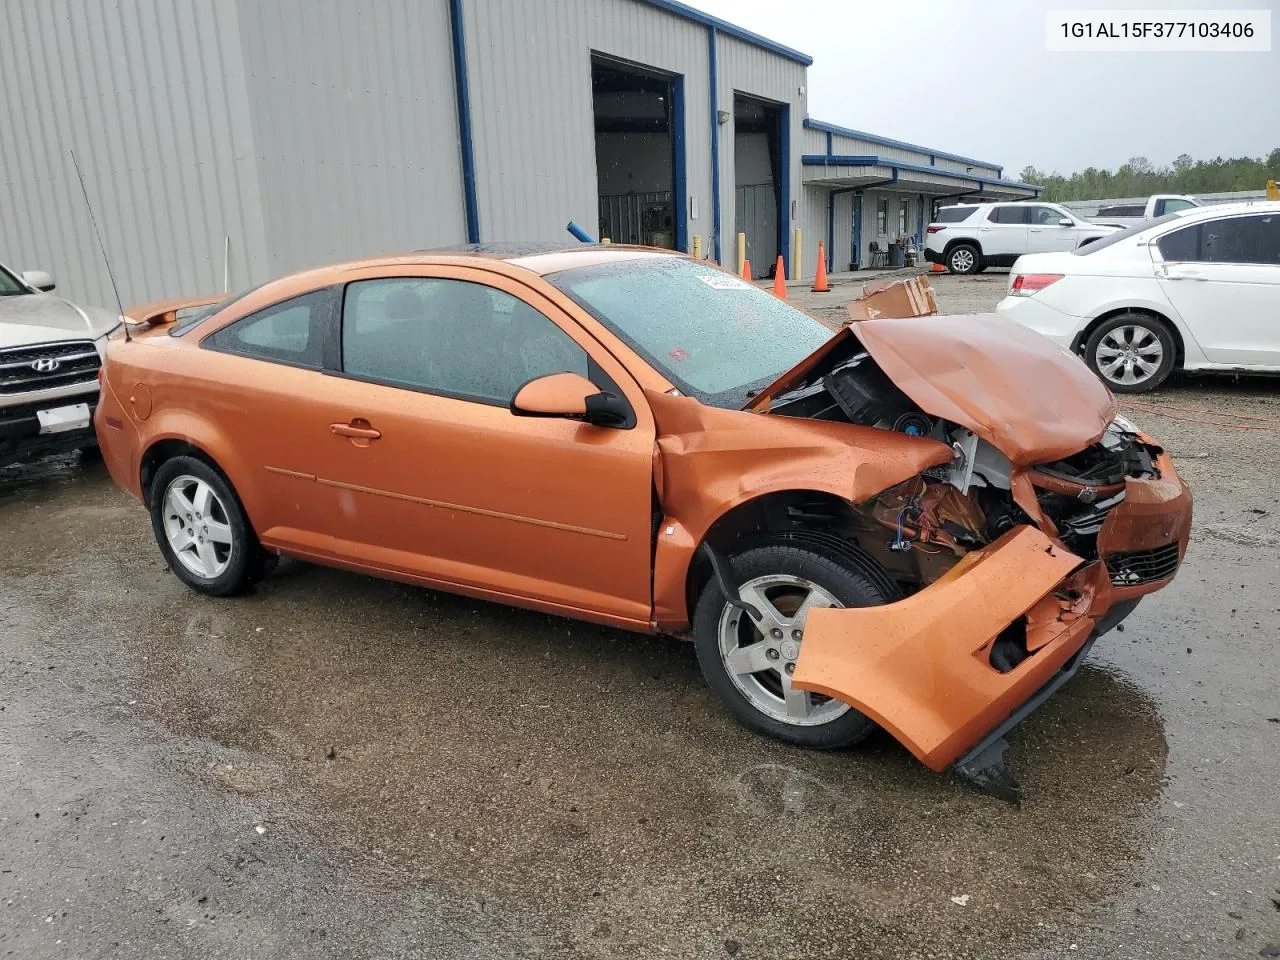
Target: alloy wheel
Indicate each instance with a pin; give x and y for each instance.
(1129, 355)
(760, 657)
(197, 527)
(962, 260)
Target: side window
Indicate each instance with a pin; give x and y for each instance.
(1181, 245)
(291, 331)
(451, 336)
(904, 214)
(1252, 239)
(1042, 216)
(1171, 206)
(1008, 215)
(882, 216)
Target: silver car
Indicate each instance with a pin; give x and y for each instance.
(50, 353)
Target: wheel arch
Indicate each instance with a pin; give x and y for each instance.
(810, 517)
(966, 241)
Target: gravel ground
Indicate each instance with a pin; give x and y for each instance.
(336, 766)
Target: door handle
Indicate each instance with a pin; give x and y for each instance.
(1037, 229)
(1186, 276)
(356, 430)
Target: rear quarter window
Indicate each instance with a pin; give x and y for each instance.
(954, 214)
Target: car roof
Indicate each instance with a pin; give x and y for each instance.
(538, 258)
(1239, 206)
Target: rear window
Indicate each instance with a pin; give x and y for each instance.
(1009, 215)
(188, 317)
(1102, 243)
(1122, 211)
(954, 214)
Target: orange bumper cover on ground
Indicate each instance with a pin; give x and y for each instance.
(920, 667)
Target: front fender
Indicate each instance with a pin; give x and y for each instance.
(714, 460)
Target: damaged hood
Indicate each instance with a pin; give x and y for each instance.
(45, 318)
(1029, 398)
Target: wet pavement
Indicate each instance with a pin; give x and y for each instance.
(336, 766)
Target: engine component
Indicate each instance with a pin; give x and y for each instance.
(868, 397)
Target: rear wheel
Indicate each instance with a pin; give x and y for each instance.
(964, 258)
(1131, 352)
(202, 529)
(749, 664)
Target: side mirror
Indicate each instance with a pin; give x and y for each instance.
(39, 280)
(570, 396)
(1066, 222)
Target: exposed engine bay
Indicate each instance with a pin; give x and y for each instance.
(934, 519)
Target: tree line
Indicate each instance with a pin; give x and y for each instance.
(1140, 178)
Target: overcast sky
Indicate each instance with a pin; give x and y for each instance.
(973, 77)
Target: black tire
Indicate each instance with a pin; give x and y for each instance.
(834, 574)
(969, 259)
(1143, 330)
(245, 560)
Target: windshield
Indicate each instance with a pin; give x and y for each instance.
(1094, 246)
(11, 286)
(713, 335)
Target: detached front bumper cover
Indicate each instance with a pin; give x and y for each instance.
(921, 667)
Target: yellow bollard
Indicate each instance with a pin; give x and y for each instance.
(1273, 190)
(742, 251)
(697, 246)
(795, 255)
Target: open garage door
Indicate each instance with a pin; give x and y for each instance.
(639, 153)
(757, 162)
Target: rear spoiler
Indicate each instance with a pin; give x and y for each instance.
(166, 311)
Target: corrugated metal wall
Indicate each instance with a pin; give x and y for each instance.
(150, 95)
(529, 63)
(355, 126)
(748, 69)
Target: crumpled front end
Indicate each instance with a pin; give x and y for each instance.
(1052, 518)
(946, 665)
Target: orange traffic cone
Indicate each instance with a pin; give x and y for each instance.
(820, 284)
(746, 269)
(780, 279)
(938, 268)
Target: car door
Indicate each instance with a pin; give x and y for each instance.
(1046, 234)
(1004, 234)
(1222, 276)
(437, 478)
(263, 383)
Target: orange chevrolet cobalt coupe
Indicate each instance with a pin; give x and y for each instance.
(921, 524)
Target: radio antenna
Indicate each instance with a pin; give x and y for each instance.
(101, 247)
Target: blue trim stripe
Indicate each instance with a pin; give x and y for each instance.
(677, 144)
(784, 195)
(831, 128)
(822, 160)
(462, 96)
(730, 30)
(715, 143)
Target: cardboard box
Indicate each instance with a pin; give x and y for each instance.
(912, 297)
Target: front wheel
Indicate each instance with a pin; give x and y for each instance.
(964, 258)
(1132, 352)
(749, 664)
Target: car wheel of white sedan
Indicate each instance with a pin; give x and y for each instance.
(1131, 352)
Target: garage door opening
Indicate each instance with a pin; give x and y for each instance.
(639, 153)
(758, 150)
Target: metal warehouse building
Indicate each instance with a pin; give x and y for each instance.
(227, 141)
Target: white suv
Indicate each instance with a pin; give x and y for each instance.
(971, 237)
(50, 352)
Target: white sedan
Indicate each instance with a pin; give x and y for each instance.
(1194, 290)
